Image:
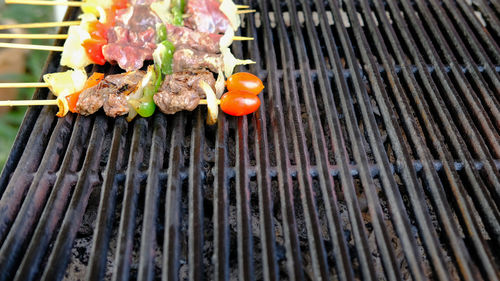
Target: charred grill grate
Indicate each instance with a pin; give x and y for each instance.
(375, 155)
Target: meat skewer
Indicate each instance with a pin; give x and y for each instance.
(182, 72)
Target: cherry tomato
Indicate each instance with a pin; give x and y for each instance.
(93, 80)
(239, 103)
(93, 47)
(244, 81)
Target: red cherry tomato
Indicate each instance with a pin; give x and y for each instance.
(239, 103)
(93, 47)
(244, 81)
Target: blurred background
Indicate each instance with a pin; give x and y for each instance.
(21, 65)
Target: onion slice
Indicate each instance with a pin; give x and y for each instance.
(220, 85)
(227, 39)
(229, 9)
(65, 83)
(74, 54)
(230, 62)
(162, 10)
(213, 107)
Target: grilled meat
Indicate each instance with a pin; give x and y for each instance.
(187, 59)
(111, 93)
(183, 37)
(133, 39)
(205, 16)
(181, 91)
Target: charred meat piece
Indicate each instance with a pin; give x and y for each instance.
(183, 37)
(181, 91)
(205, 16)
(111, 93)
(133, 39)
(90, 100)
(188, 60)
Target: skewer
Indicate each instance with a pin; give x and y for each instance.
(68, 3)
(62, 36)
(245, 11)
(45, 3)
(27, 102)
(242, 38)
(40, 24)
(31, 47)
(32, 36)
(53, 102)
(24, 85)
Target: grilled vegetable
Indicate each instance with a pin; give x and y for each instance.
(141, 101)
(72, 99)
(212, 106)
(230, 62)
(239, 103)
(229, 9)
(65, 83)
(178, 12)
(163, 57)
(244, 81)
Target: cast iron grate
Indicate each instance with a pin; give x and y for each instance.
(375, 155)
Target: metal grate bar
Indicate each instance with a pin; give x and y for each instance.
(57, 263)
(277, 119)
(316, 246)
(268, 239)
(409, 175)
(466, 90)
(172, 204)
(195, 259)
(490, 43)
(107, 204)
(221, 212)
(39, 190)
(149, 225)
(388, 255)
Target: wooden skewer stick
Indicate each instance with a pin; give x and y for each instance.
(40, 24)
(52, 102)
(23, 85)
(31, 47)
(242, 38)
(27, 102)
(245, 11)
(45, 3)
(32, 36)
(68, 3)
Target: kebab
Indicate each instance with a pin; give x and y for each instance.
(116, 98)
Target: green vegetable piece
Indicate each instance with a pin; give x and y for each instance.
(167, 57)
(161, 33)
(146, 109)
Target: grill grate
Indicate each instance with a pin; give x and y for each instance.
(375, 155)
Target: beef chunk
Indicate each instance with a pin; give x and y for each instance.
(181, 91)
(205, 16)
(111, 93)
(90, 100)
(183, 37)
(116, 105)
(187, 59)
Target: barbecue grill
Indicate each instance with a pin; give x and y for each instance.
(375, 155)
